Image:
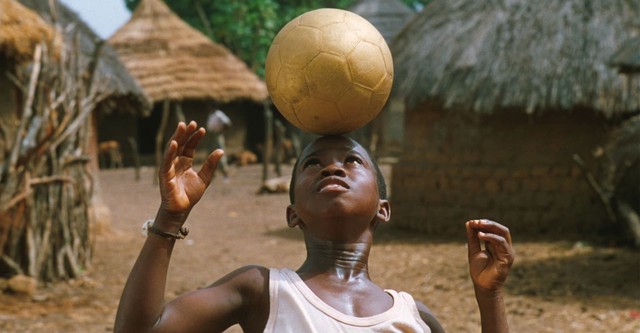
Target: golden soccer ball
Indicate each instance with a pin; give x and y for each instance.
(329, 71)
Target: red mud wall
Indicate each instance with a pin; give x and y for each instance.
(513, 168)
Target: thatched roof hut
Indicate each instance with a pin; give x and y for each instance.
(173, 61)
(21, 30)
(529, 55)
(123, 94)
(48, 132)
(181, 69)
(502, 98)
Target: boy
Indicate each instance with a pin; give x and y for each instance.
(337, 200)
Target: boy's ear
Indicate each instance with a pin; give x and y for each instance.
(384, 211)
(293, 220)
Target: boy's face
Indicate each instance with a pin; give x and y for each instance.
(335, 185)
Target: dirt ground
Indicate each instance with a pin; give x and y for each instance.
(554, 287)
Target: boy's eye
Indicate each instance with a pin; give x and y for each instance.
(310, 162)
(353, 159)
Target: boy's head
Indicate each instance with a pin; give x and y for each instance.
(381, 184)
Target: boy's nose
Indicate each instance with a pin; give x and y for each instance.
(333, 169)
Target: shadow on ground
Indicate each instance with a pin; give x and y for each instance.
(579, 272)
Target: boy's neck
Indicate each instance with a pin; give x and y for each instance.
(341, 260)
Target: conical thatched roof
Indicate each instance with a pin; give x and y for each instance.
(388, 16)
(521, 54)
(123, 92)
(21, 30)
(174, 61)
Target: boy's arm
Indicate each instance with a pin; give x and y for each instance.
(489, 268)
(241, 297)
(142, 300)
(141, 307)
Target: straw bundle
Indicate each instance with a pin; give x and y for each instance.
(173, 61)
(519, 55)
(21, 30)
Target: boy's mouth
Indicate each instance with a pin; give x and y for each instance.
(332, 184)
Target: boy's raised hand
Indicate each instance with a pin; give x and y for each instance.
(181, 187)
(490, 266)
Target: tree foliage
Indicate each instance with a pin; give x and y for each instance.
(247, 27)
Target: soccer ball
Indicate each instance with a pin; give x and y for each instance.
(329, 71)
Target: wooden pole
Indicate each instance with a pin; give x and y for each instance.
(166, 109)
(136, 156)
(268, 141)
(180, 113)
(278, 129)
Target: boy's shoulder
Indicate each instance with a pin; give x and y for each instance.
(250, 279)
(251, 274)
(250, 282)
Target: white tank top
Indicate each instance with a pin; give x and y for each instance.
(294, 308)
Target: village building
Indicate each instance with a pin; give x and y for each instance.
(507, 105)
(184, 73)
(122, 96)
(52, 91)
(22, 30)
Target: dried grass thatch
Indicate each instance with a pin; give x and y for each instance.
(173, 61)
(388, 16)
(519, 54)
(123, 92)
(21, 30)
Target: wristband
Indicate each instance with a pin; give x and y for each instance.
(149, 227)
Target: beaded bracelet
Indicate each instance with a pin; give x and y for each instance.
(149, 227)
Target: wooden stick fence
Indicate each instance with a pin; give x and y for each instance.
(46, 182)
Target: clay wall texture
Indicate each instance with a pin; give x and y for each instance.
(511, 167)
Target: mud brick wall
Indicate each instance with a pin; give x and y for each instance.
(513, 168)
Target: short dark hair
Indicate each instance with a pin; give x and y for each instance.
(382, 184)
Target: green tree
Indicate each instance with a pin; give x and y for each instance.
(247, 27)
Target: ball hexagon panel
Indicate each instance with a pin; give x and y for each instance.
(299, 46)
(337, 39)
(327, 76)
(314, 122)
(364, 64)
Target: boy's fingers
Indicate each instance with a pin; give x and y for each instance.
(498, 246)
(169, 155)
(184, 134)
(192, 142)
(494, 239)
(473, 242)
(209, 166)
(489, 226)
(178, 134)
